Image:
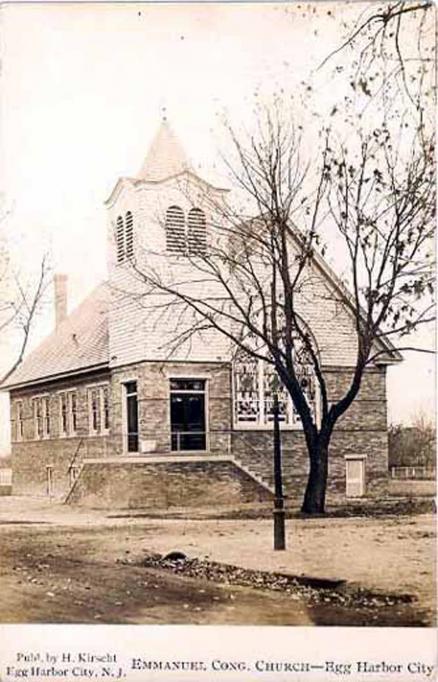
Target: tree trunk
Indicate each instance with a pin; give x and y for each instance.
(314, 497)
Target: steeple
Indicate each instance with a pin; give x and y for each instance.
(165, 157)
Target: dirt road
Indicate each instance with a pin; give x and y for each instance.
(91, 572)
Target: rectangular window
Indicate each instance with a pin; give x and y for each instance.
(188, 414)
(95, 410)
(105, 399)
(68, 413)
(63, 418)
(38, 418)
(19, 421)
(98, 406)
(46, 416)
(72, 412)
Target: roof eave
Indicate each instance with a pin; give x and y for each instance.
(121, 182)
(54, 377)
(393, 358)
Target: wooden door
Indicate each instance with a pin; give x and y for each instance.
(355, 476)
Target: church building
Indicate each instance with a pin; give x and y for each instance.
(107, 413)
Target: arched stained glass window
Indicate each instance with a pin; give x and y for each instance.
(175, 230)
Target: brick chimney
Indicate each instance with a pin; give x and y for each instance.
(60, 284)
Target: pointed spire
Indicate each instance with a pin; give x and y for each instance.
(165, 157)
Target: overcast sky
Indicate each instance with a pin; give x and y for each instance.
(83, 88)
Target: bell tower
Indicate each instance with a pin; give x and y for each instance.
(158, 218)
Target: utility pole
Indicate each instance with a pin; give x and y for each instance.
(279, 512)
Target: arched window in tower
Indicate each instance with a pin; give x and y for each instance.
(175, 230)
(129, 235)
(120, 240)
(196, 232)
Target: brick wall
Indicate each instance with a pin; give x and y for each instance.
(361, 431)
(165, 484)
(32, 456)
(153, 382)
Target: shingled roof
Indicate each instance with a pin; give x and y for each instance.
(165, 158)
(79, 343)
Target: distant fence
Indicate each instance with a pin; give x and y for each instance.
(424, 473)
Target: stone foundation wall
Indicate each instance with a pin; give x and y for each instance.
(161, 485)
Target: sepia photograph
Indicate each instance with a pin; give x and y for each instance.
(217, 323)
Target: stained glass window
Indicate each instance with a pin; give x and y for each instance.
(247, 390)
(255, 384)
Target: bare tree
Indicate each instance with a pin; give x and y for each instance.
(392, 48)
(21, 301)
(251, 281)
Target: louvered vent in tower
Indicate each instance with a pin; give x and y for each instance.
(129, 235)
(197, 232)
(175, 230)
(120, 240)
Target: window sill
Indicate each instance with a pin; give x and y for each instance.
(266, 427)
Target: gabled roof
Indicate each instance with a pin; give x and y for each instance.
(165, 158)
(385, 343)
(80, 343)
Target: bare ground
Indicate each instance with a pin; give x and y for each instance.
(64, 565)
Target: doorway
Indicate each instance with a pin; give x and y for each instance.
(131, 399)
(187, 414)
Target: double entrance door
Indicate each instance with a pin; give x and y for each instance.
(187, 414)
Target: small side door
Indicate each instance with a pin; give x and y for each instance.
(355, 476)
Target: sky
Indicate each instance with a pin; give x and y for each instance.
(84, 87)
